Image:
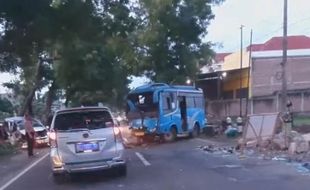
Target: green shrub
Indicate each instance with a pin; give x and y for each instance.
(7, 148)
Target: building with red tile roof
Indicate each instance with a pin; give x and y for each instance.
(260, 80)
(275, 43)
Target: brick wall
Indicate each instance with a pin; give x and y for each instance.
(271, 104)
(266, 83)
(266, 75)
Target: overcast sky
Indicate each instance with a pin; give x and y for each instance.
(265, 17)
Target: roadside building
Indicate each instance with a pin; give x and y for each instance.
(259, 80)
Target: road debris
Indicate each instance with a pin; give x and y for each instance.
(232, 179)
(278, 158)
(300, 160)
(218, 150)
(120, 186)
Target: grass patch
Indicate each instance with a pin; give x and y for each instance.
(301, 121)
(7, 149)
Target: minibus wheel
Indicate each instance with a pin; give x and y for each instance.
(171, 135)
(195, 132)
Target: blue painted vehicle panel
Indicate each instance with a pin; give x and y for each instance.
(154, 109)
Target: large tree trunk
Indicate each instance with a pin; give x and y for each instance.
(68, 97)
(49, 101)
(27, 107)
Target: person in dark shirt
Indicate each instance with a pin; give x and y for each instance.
(30, 133)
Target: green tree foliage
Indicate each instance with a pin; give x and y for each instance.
(95, 64)
(26, 31)
(6, 106)
(88, 48)
(89, 40)
(26, 39)
(171, 41)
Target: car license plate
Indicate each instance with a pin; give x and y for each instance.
(87, 147)
(139, 134)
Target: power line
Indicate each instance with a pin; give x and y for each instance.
(299, 21)
(278, 29)
(281, 28)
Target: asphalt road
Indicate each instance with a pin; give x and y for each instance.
(175, 166)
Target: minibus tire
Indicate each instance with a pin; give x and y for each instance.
(195, 132)
(171, 136)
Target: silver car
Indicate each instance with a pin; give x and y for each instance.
(83, 140)
(40, 130)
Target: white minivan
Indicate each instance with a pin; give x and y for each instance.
(85, 139)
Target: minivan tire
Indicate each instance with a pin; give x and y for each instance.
(122, 170)
(59, 178)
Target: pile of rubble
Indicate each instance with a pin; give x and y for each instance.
(292, 148)
(272, 136)
(301, 161)
(294, 142)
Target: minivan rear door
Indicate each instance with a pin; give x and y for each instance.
(85, 135)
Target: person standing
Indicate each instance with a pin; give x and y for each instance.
(2, 132)
(30, 134)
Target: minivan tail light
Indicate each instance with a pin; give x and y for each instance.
(117, 134)
(53, 138)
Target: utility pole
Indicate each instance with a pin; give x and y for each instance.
(287, 125)
(284, 60)
(249, 73)
(241, 54)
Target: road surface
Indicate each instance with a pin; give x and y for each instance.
(174, 166)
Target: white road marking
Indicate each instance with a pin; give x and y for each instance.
(143, 160)
(232, 166)
(23, 172)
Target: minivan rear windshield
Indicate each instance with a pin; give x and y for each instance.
(82, 120)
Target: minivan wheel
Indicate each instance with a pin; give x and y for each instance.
(122, 170)
(171, 135)
(59, 178)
